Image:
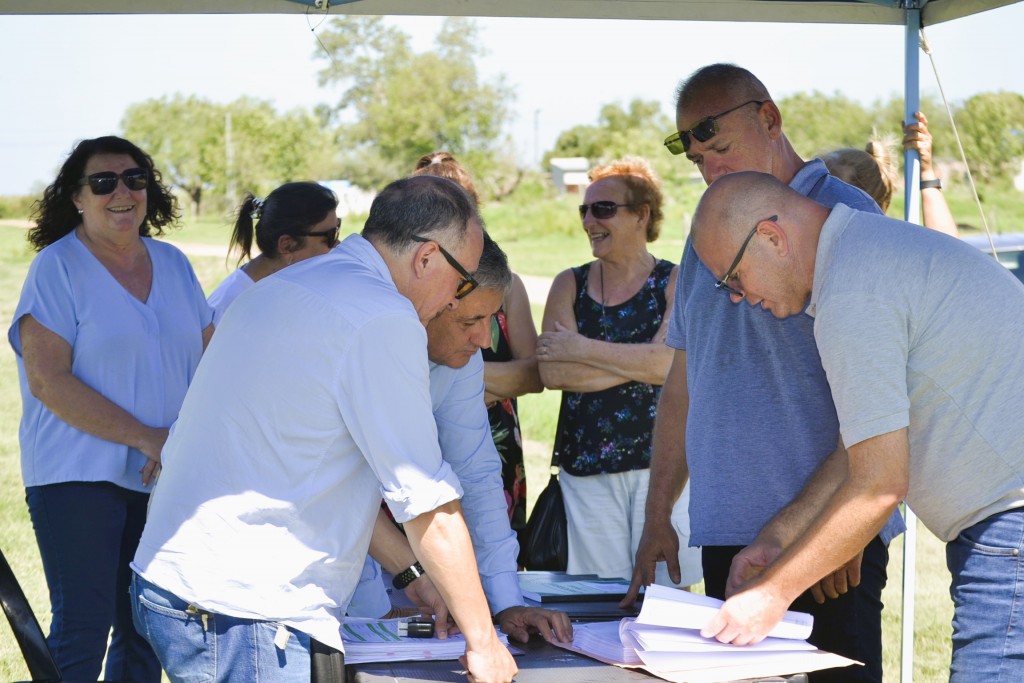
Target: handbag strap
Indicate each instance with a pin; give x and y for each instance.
(556, 450)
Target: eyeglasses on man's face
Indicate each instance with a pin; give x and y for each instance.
(723, 284)
(467, 284)
(331, 235)
(105, 182)
(601, 210)
(702, 131)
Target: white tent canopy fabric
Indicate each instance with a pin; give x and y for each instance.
(801, 11)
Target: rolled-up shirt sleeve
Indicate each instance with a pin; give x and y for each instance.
(385, 402)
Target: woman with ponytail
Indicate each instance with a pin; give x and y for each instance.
(295, 222)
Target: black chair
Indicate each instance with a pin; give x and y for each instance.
(26, 629)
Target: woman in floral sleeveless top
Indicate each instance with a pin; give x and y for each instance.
(603, 345)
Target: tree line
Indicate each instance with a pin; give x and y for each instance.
(394, 105)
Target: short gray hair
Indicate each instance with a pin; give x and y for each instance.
(426, 205)
(735, 80)
(493, 271)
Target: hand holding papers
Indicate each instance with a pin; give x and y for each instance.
(681, 609)
(378, 640)
(665, 640)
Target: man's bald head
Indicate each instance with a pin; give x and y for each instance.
(759, 238)
(734, 203)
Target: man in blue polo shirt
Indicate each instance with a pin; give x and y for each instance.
(746, 412)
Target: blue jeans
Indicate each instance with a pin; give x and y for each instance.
(987, 591)
(195, 646)
(87, 534)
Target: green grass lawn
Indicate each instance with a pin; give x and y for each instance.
(530, 253)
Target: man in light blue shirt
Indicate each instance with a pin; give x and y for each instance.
(454, 340)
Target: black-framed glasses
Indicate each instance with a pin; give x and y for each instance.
(105, 182)
(467, 284)
(723, 284)
(702, 131)
(601, 210)
(331, 235)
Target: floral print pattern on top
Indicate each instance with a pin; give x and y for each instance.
(504, 419)
(610, 431)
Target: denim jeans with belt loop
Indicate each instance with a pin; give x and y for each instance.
(196, 646)
(987, 592)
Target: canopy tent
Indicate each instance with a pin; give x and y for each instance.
(911, 14)
(801, 11)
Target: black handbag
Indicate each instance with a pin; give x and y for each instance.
(547, 535)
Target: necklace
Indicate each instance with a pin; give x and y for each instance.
(600, 276)
(604, 320)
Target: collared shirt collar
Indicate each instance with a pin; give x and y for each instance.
(837, 220)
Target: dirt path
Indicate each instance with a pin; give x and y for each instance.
(537, 286)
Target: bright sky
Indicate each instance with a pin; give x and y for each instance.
(63, 78)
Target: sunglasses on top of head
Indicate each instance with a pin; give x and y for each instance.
(702, 131)
(105, 182)
(331, 235)
(601, 210)
(467, 284)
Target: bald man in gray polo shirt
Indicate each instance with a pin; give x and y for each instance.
(920, 336)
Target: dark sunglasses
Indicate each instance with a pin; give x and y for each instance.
(331, 235)
(702, 131)
(723, 284)
(601, 210)
(467, 284)
(105, 182)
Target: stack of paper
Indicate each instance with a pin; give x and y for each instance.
(541, 588)
(602, 640)
(377, 640)
(665, 640)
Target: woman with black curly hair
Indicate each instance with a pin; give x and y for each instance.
(108, 332)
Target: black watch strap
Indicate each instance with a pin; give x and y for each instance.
(934, 182)
(403, 579)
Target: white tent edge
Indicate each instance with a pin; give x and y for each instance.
(891, 12)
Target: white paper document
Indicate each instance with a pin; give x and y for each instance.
(665, 640)
(682, 609)
(377, 640)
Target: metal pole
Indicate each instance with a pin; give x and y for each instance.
(536, 138)
(912, 213)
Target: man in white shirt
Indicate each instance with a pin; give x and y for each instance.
(919, 335)
(273, 478)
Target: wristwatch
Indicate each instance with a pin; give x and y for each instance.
(404, 578)
(934, 182)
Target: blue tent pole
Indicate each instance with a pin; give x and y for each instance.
(912, 213)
